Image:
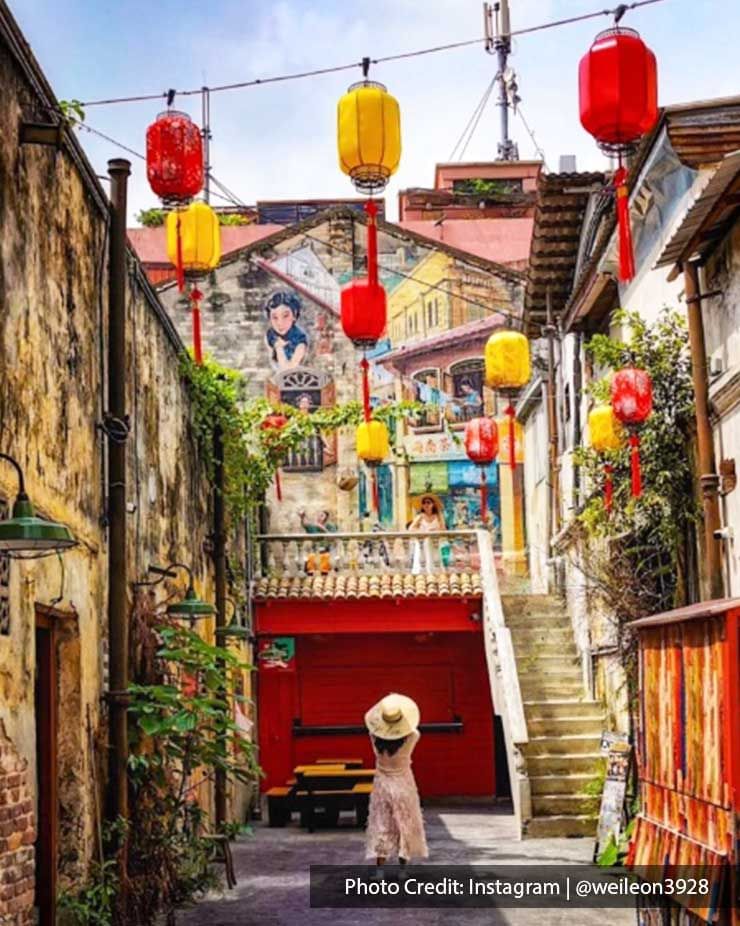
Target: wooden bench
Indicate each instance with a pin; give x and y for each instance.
(345, 763)
(280, 805)
(330, 792)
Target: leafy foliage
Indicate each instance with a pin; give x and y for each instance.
(93, 903)
(72, 111)
(150, 218)
(251, 453)
(183, 732)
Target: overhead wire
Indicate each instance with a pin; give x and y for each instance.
(478, 118)
(300, 75)
(537, 149)
(479, 107)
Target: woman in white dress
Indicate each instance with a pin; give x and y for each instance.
(429, 519)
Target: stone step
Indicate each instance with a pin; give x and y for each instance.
(532, 620)
(571, 805)
(558, 745)
(570, 679)
(537, 709)
(555, 691)
(546, 636)
(559, 784)
(564, 726)
(546, 664)
(581, 763)
(533, 602)
(559, 826)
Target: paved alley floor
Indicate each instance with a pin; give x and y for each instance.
(273, 873)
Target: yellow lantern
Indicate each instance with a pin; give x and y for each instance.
(373, 444)
(369, 135)
(604, 429)
(194, 239)
(507, 360)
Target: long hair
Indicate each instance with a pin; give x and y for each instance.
(389, 747)
(434, 503)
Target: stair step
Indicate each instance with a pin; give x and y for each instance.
(561, 745)
(542, 663)
(541, 709)
(564, 726)
(553, 805)
(545, 687)
(547, 642)
(537, 621)
(581, 763)
(559, 826)
(559, 784)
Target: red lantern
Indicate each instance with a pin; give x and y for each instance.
(632, 402)
(481, 446)
(174, 157)
(363, 304)
(618, 96)
(273, 424)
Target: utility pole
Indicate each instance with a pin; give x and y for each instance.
(498, 41)
(206, 132)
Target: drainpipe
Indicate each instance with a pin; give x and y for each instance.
(552, 425)
(577, 387)
(119, 170)
(708, 477)
(219, 562)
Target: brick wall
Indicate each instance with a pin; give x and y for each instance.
(17, 835)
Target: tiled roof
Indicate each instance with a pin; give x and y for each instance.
(479, 329)
(333, 586)
(151, 243)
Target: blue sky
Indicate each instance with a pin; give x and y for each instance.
(278, 142)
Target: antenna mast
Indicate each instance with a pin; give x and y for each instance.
(498, 41)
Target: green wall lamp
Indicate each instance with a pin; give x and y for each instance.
(190, 608)
(24, 535)
(234, 630)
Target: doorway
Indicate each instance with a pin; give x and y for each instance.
(47, 812)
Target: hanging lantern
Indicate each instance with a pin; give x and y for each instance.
(193, 241)
(174, 157)
(368, 135)
(373, 446)
(481, 446)
(632, 402)
(363, 301)
(273, 425)
(605, 433)
(618, 99)
(508, 369)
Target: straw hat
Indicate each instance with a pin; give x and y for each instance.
(417, 500)
(392, 718)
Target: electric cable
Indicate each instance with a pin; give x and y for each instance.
(481, 103)
(259, 81)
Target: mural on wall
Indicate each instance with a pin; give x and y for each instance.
(287, 342)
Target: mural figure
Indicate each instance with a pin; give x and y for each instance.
(286, 340)
(321, 523)
(468, 404)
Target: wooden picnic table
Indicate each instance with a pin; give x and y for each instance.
(347, 763)
(302, 769)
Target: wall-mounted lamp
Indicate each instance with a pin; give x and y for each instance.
(234, 630)
(26, 536)
(190, 608)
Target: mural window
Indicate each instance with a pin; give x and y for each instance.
(426, 386)
(307, 390)
(4, 581)
(467, 391)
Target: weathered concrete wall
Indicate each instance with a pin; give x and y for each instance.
(53, 393)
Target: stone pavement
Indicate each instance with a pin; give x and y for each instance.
(273, 871)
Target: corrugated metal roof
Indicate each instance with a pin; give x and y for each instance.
(702, 609)
(562, 200)
(711, 215)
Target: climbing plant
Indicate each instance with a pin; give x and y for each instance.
(638, 556)
(251, 454)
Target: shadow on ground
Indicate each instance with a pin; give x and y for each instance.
(273, 872)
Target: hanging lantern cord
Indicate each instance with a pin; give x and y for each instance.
(180, 268)
(365, 366)
(170, 97)
(511, 414)
(371, 210)
(365, 67)
(635, 464)
(195, 296)
(608, 487)
(483, 496)
(376, 501)
(626, 252)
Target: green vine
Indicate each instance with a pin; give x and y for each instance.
(252, 454)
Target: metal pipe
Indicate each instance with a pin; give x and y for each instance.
(708, 478)
(577, 389)
(219, 562)
(119, 170)
(552, 423)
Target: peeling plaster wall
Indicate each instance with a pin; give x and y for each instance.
(53, 388)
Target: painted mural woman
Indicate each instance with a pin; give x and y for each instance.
(286, 340)
(395, 827)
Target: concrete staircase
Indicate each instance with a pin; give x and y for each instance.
(564, 729)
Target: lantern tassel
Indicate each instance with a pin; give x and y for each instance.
(483, 496)
(278, 488)
(195, 296)
(608, 487)
(180, 268)
(376, 500)
(365, 366)
(635, 465)
(371, 210)
(512, 436)
(626, 253)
